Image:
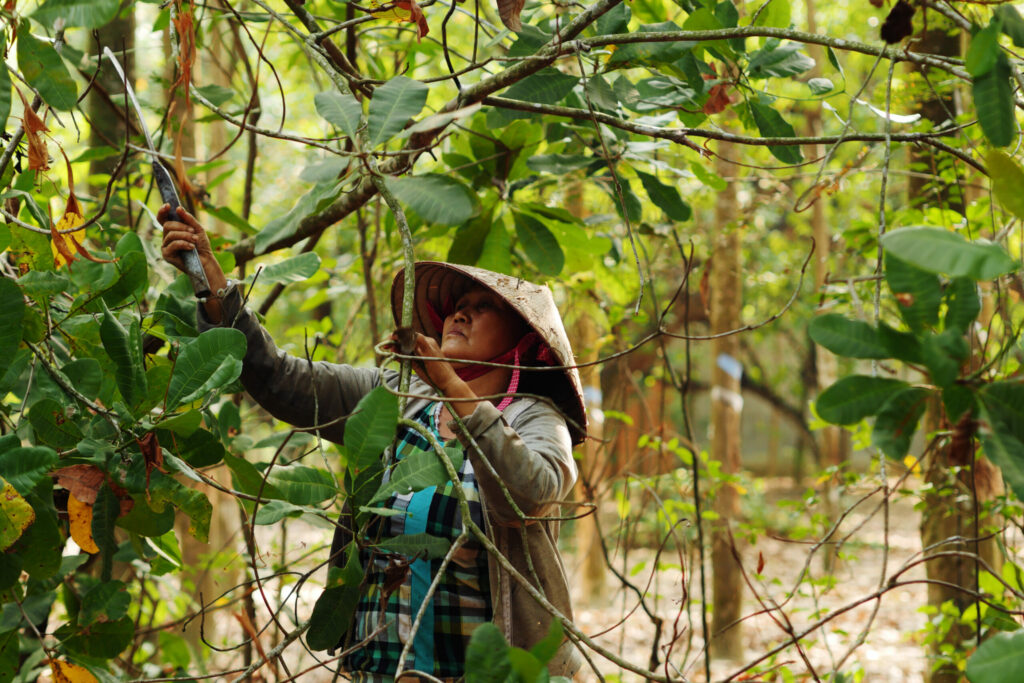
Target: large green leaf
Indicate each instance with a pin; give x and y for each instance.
(393, 104)
(294, 269)
(558, 164)
(132, 271)
(250, 480)
(487, 656)
(316, 200)
(943, 354)
(774, 13)
(435, 198)
(772, 125)
(540, 244)
(999, 659)
(25, 466)
(333, 610)
(983, 50)
(104, 639)
(52, 426)
(207, 363)
(1013, 24)
(15, 515)
(107, 600)
(80, 13)
(39, 548)
(9, 652)
(962, 304)
(12, 311)
(918, 292)
(44, 70)
(845, 337)
(653, 53)
(303, 485)
(1007, 181)
(853, 398)
(936, 250)
(418, 470)
(897, 421)
(1005, 403)
(342, 111)
(417, 545)
(1007, 452)
(371, 428)
(124, 346)
(993, 102)
(85, 375)
(665, 197)
(780, 61)
(547, 86)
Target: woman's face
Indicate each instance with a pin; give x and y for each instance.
(481, 327)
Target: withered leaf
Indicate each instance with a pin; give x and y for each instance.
(897, 25)
(38, 156)
(718, 99)
(509, 10)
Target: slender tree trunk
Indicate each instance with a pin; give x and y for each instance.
(726, 406)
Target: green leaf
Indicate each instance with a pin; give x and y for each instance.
(775, 14)
(487, 656)
(316, 200)
(217, 94)
(341, 111)
(547, 86)
(918, 292)
(332, 613)
(12, 311)
(52, 426)
(615, 20)
(845, 337)
(328, 170)
(416, 471)
(853, 398)
(423, 546)
(104, 639)
(248, 479)
(1012, 23)
(371, 429)
(703, 19)
(957, 400)
(15, 515)
(558, 164)
(1007, 453)
(109, 600)
(435, 198)
(80, 13)
(540, 245)
(393, 104)
(653, 53)
(527, 667)
(546, 648)
(44, 70)
(897, 420)
(665, 197)
(24, 467)
(9, 652)
(1007, 181)
(85, 375)
(941, 251)
(778, 61)
(962, 304)
(274, 511)
(993, 102)
(303, 485)
(124, 346)
(944, 354)
(294, 269)
(771, 125)
(142, 520)
(999, 659)
(1005, 404)
(984, 50)
(207, 363)
(820, 86)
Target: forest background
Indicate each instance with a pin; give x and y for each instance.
(785, 239)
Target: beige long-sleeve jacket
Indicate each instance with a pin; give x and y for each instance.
(528, 447)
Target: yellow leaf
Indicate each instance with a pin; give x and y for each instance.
(912, 463)
(66, 672)
(15, 515)
(742, 490)
(80, 516)
(63, 244)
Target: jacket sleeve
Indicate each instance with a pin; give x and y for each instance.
(292, 389)
(532, 457)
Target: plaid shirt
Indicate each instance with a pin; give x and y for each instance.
(462, 599)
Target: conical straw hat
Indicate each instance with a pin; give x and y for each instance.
(441, 284)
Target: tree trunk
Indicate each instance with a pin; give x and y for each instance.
(107, 124)
(726, 406)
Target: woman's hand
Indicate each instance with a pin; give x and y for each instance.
(182, 232)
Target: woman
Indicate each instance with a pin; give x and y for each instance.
(523, 447)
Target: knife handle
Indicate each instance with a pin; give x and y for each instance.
(189, 257)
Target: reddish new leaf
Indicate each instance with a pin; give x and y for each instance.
(718, 99)
(154, 457)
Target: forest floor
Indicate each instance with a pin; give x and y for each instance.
(892, 647)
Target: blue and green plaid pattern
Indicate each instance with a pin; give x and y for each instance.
(462, 599)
